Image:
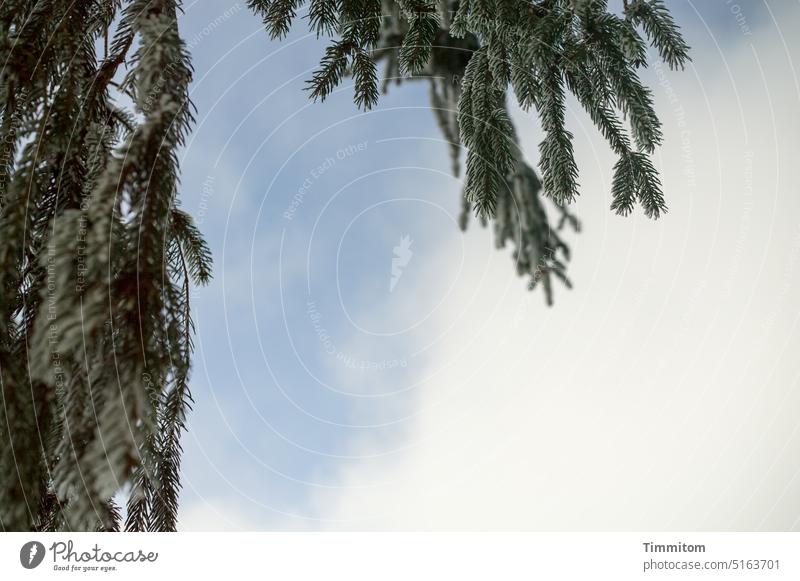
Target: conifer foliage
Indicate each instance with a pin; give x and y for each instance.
(473, 52)
(97, 259)
(96, 262)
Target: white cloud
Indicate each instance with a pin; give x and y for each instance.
(661, 393)
(213, 515)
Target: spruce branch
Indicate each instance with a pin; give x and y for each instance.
(323, 16)
(540, 50)
(87, 215)
(520, 219)
(423, 24)
(655, 19)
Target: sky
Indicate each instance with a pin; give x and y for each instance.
(335, 390)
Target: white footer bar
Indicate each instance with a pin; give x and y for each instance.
(402, 556)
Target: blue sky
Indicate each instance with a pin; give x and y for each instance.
(279, 390)
(319, 387)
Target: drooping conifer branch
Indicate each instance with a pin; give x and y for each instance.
(96, 340)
